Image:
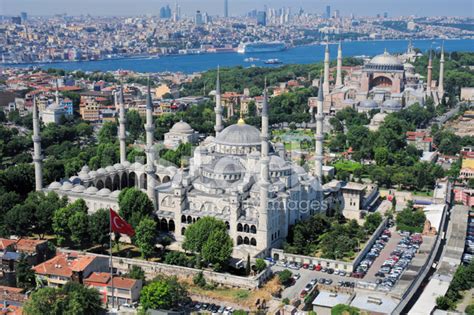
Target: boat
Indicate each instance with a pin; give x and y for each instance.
(259, 47)
(251, 59)
(273, 62)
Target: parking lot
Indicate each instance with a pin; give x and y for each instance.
(384, 255)
(306, 276)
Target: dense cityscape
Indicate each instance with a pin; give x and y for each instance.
(28, 39)
(343, 185)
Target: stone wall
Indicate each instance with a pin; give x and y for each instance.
(152, 269)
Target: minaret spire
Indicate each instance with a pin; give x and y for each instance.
(150, 152)
(430, 75)
(319, 137)
(57, 92)
(339, 66)
(37, 158)
(326, 71)
(122, 121)
(263, 224)
(218, 109)
(441, 74)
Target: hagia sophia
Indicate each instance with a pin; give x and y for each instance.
(386, 82)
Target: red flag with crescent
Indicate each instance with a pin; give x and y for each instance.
(119, 225)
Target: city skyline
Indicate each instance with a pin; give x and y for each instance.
(216, 7)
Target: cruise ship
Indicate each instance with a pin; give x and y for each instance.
(258, 47)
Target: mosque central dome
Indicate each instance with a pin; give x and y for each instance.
(384, 61)
(239, 134)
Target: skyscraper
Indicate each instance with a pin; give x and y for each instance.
(262, 18)
(328, 11)
(24, 16)
(198, 19)
(226, 8)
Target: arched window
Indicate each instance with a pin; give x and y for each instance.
(239, 227)
(227, 225)
(183, 230)
(253, 242)
(246, 228)
(171, 226)
(164, 225)
(190, 220)
(100, 184)
(253, 229)
(109, 184)
(183, 219)
(239, 240)
(246, 240)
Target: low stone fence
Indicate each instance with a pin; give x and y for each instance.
(152, 269)
(347, 266)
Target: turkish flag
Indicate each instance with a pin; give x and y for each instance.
(119, 225)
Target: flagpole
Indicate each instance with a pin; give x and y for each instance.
(111, 264)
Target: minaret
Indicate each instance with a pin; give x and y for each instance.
(150, 152)
(122, 121)
(218, 109)
(319, 137)
(263, 224)
(37, 158)
(326, 71)
(430, 74)
(57, 92)
(339, 66)
(441, 74)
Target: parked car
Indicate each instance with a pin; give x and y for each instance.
(318, 268)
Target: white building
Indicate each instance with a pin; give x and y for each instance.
(237, 176)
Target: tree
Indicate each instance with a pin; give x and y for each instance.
(134, 206)
(45, 205)
(342, 309)
(134, 124)
(176, 258)
(108, 132)
(410, 220)
(19, 220)
(145, 237)
(136, 273)
(81, 300)
(209, 237)
(99, 227)
(247, 266)
(198, 233)
(156, 295)
(25, 276)
(260, 265)
(78, 224)
(45, 301)
(372, 222)
(199, 280)
(218, 247)
(284, 277)
(72, 298)
(61, 216)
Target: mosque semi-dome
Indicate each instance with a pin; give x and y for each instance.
(383, 62)
(371, 104)
(391, 104)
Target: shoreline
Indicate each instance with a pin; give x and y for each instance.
(153, 57)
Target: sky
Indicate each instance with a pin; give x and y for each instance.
(238, 7)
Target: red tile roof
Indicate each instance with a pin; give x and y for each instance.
(64, 265)
(98, 277)
(123, 283)
(4, 243)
